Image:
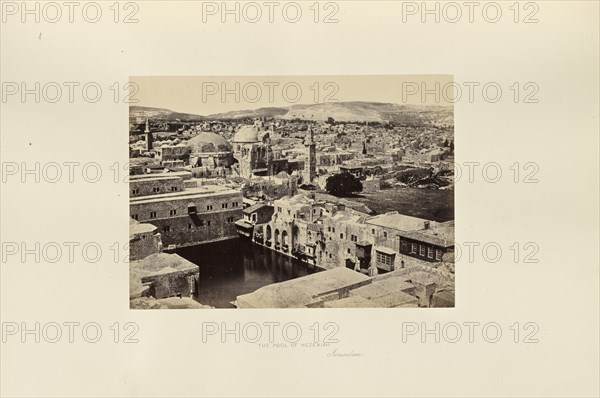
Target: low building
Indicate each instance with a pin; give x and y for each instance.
(257, 214)
(417, 286)
(162, 275)
(144, 240)
(429, 244)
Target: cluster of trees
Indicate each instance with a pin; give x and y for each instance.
(343, 184)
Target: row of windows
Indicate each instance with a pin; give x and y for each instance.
(226, 205)
(173, 212)
(385, 259)
(422, 250)
(136, 191)
(385, 234)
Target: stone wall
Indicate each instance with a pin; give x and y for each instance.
(143, 187)
(144, 244)
(184, 229)
(172, 284)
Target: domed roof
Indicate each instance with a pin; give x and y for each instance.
(246, 134)
(208, 142)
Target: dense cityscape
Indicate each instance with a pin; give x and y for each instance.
(263, 211)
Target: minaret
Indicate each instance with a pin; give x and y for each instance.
(312, 154)
(148, 136)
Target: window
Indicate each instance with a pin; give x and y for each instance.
(279, 209)
(173, 189)
(166, 228)
(135, 191)
(373, 231)
(328, 229)
(413, 248)
(189, 226)
(429, 252)
(229, 219)
(208, 223)
(172, 212)
(354, 238)
(403, 245)
(348, 250)
(332, 229)
(384, 259)
(421, 250)
(209, 207)
(134, 216)
(384, 234)
(223, 205)
(438, 255)
(156, 189)
(152, 214)
(341, 236)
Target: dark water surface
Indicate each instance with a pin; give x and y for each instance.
(234, 267)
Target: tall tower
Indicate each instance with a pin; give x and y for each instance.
(312, 154)
(148, 136)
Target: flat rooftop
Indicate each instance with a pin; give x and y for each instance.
(156, 177)
(136, 227)
(397, 221)
(299, 292)
(188, 193)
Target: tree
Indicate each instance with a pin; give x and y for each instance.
(343, 184)
(330, 120)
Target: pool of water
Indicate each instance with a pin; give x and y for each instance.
(234, 267)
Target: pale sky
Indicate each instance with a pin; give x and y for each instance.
(206, 95)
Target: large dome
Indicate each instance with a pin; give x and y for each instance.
(246, 134)
(207, 142)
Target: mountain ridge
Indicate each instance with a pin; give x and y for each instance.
(349, 111)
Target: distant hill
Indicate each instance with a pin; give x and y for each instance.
(355, 111)
(140, 113)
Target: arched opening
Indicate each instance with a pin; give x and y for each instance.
(277, 237)
(269, 233)
(284, 240)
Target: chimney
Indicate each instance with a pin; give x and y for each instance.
(426, 225)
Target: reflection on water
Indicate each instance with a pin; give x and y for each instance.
(233, 267)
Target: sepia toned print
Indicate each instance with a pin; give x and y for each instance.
(290, 192)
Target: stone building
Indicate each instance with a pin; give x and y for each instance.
(185, 216)
(210, 150)
(253, 151)
(257, 214)
(330, 235)
(144, 240)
